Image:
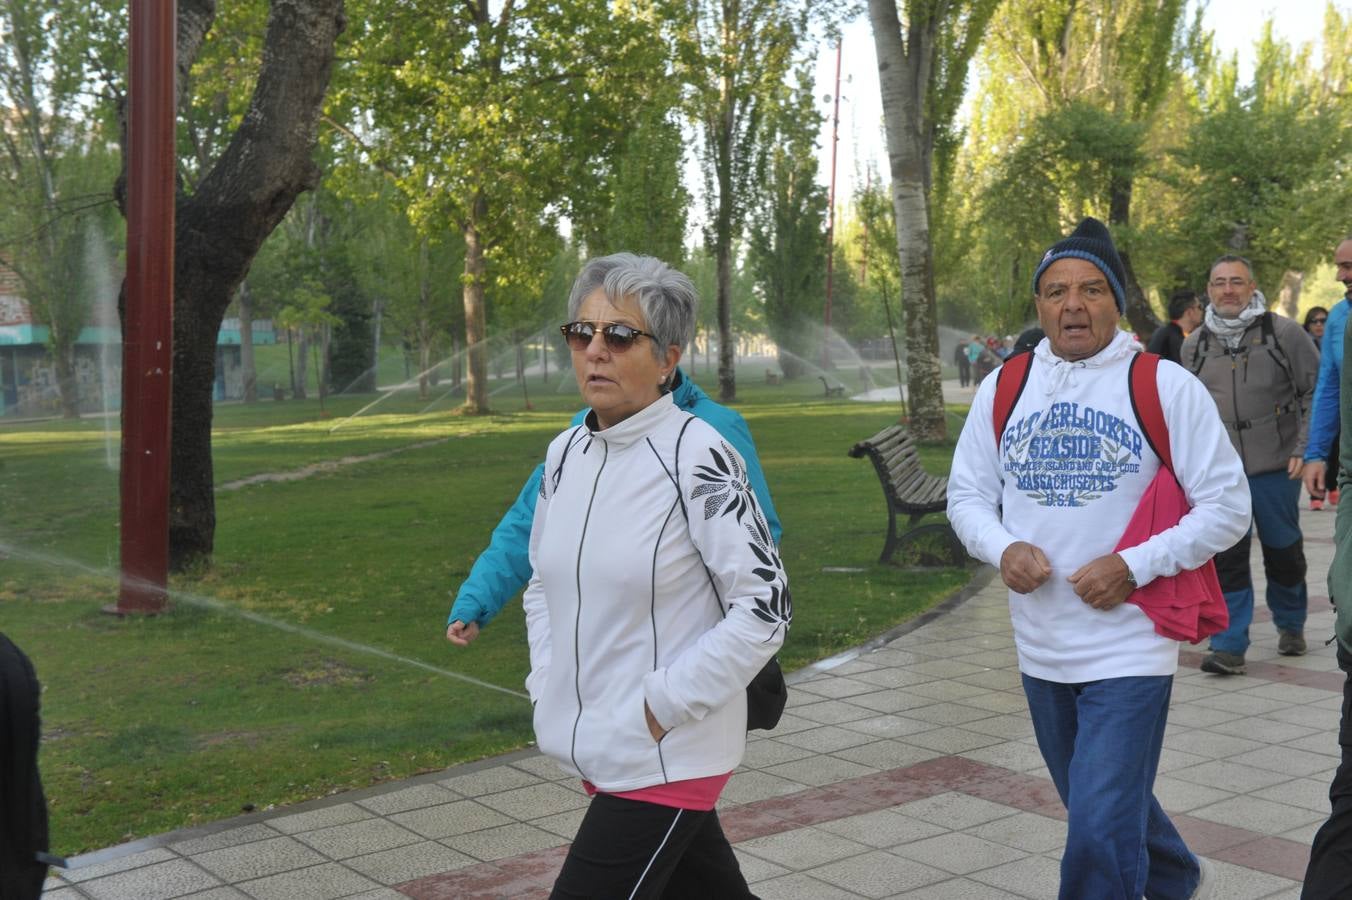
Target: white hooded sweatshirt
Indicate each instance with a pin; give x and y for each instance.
(621, 609)
(1071, 468)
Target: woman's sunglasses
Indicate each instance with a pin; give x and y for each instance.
(1318, 321)
(618, 338)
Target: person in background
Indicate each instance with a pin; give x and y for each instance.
(1006, 349)
(1096, 673)
(1260, 371)
(23, 807)
(1322, 450)
(1185, 314)
(963, 363)
(639, 671)
(1315, 320)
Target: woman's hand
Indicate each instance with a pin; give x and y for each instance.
(654, 728)
(461, 634)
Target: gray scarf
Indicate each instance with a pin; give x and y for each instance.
(1231, 330)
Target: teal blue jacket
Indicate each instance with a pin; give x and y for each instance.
(503, 569)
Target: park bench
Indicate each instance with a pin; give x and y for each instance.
(911, 490)
(832, 390)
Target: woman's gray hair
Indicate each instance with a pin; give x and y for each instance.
(667, 298)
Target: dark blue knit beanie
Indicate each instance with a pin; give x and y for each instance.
(1090, 241)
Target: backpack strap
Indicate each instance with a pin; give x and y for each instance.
(1145, 402)
(1009, 383)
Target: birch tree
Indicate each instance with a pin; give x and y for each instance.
(922, 69)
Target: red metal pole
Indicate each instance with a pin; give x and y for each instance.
(147, 346)
(831, 215)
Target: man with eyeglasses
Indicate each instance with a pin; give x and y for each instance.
(1185, 314)
(1329, 875)
(1260, 370)
(1324, 417)
(501, 571)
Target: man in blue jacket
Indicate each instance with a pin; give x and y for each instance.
(1324, 410)
(503, 569)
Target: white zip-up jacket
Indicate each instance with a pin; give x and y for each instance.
(1070, 470)
(621, 610)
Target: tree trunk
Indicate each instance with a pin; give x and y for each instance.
(67, 382)
(476, 381)
(219, 229)
(301, 374)
(723, 164)
(325, 346)
(377, 308)
(248, 370)
(1140, 316)
(904, 75)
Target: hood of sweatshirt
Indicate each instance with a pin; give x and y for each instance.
(1061, 373)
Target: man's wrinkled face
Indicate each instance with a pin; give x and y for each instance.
(1342, 261)
(1230, 288)
(1076, 307)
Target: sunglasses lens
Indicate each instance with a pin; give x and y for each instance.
(578, 335)
(619, 338)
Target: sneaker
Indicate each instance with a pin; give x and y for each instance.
(1218, 662)
(1290, 643)
(1316, 504)
(1206, 885)
(1333, 498)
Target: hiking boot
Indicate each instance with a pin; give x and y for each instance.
(1290, 643)
(1206, 885)
(1316, 504)
(1218, 662)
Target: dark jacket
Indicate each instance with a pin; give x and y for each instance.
(1167, 341)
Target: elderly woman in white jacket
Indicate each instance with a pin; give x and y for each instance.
(657, 595)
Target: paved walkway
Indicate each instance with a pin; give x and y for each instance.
(905, 769)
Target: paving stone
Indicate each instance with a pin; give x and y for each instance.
(1014, 755)
(324, 882)
(228, 838)
(119, 864)
(819, 770)
(438, 822)
(1274, 731)
(803, 848)
(503, 841)
(61, 893)
(234, 864)
(889, 726)
(836, 687)
(1258, 815)
(755, 869)
(1024, 831)
(886, 754)
(832, 712)
(954, 810)
(1178, 796)
(1032, 876)
(764, 753)
(1286, 759)
(534, 801)
(159, 881)
(878, 874)
(541, 767)
(951, 740)
(1229, 776)
(220, 893)
(494, 780)
(1012, 726)
(1210, 745)
(415, 797)
(409, 862)
(890, 701)
(998, 702)
(957, 889)
(342, 841)
(882, 829)
(958, 853)
(748, 787)
(801, 887)
(340, 814)
(564, 824)
(826, 739)
(1238, 883)
(948, 713)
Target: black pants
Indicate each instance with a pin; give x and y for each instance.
(626, 849)
(1329, 876)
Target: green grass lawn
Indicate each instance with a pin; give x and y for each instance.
(234, 701)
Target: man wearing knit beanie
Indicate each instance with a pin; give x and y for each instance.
(1045, 493)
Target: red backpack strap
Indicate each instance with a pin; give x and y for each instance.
(1145, 402)
(1009, 381)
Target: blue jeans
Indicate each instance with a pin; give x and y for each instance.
(1276, 512)
(1101, 742)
